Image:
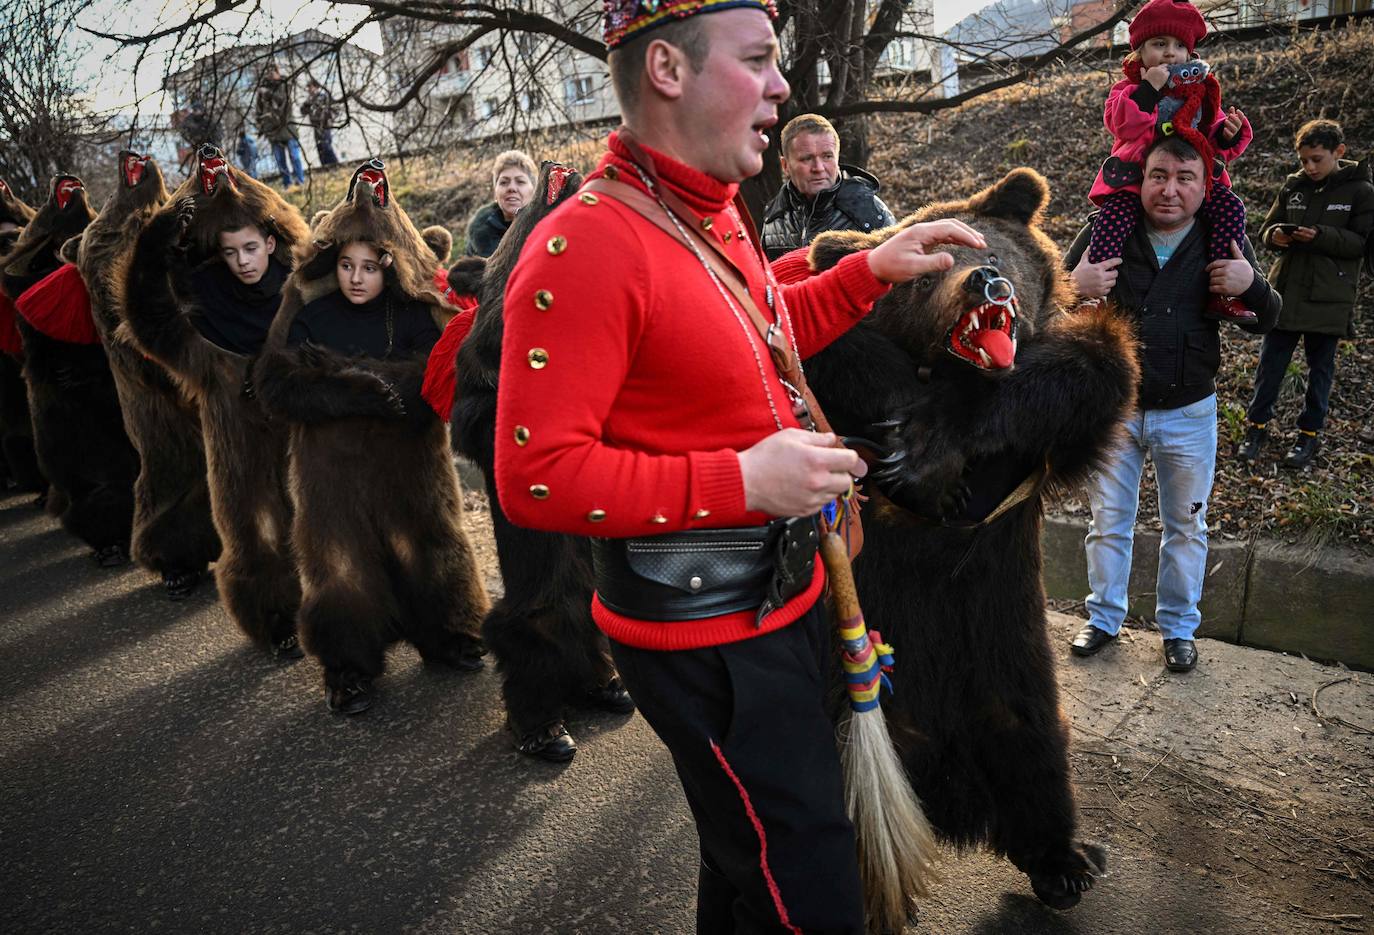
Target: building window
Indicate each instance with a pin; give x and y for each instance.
(482, 55)
(577, 90)
(488, 108)
(530, 100)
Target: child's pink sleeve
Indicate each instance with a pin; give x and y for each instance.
(1228, 153)
(1130, 111)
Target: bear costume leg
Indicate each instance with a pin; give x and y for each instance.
(16, 429)
(347, 622)
(440, 589)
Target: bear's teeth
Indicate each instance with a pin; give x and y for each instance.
(973, 323)
(983, 356)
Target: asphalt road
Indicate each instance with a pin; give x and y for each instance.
(157, 774)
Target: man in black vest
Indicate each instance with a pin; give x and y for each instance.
(818, 193)
(1162, 281)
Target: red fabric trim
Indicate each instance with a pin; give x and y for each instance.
(763, 839)
(450, 296)
(59, 307)
(441, 371)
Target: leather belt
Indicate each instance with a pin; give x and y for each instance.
(703, 573)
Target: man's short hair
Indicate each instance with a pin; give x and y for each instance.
(627, 60)
(513, 159)
(1324, 133)
(1175, 146)
(807, 123)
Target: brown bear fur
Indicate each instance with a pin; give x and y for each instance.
(378, 525)
(547, 646)
(975, 712)
(245, 451)
(173, 533)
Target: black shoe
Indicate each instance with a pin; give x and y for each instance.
(180, 584)
(1180, 655)
(1255, 437)
(112, 556)
(464, 656)
(552, 742)
(1303, 451)
(352, 695)
(288, 649)
(611, 697)
(1089, 640)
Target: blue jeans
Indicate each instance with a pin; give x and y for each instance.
(1183, 445)
(279, 151)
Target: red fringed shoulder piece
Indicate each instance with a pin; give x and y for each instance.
(10, 341)
(59, 307)
(441, 372)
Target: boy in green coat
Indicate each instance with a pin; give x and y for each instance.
(1318, 225)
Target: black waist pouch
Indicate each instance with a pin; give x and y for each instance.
(706, 572)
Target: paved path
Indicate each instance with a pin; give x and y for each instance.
(158, 775)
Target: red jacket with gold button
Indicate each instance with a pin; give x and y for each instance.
(628, 385)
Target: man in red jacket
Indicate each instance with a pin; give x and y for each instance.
(639, 403)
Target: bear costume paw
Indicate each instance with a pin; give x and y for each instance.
(1062, 886)
(926, 481)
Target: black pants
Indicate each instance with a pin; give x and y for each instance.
(1273, 363)
(755, 750)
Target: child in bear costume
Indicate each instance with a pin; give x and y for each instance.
(173, 535)
(377, 529)
(181, 311)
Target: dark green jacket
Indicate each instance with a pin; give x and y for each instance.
(1317, 280)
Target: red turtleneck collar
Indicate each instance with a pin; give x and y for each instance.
(700, 191)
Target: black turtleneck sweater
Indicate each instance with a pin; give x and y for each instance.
(232, 314)
(333, 322)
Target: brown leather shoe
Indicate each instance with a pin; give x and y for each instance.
(1089, 640)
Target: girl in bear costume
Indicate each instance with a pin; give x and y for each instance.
(173, 535)
(377, 528)
(181, 313)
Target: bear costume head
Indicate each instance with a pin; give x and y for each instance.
(973, 314)
(64, 215)
(226, 198)
(367, 213)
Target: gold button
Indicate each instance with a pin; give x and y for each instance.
(611, 173)
(587, 198)
(543, 299)
(707, 223)
(522, 436)
(538, 357)
(739, 234)
(596, 516)
(539, 492)
(557, 244)
(658, 518)
(728, 235)
(701, 514)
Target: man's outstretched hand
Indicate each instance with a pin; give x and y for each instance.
(911, 252)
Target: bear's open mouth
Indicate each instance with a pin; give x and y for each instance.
(133, 166)
(67, 185)
(558, 180)
(985, 336)
(372, 174)
(213, 167)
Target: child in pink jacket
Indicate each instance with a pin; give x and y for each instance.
(1168, 90)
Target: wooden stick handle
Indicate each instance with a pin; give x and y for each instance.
(836, 558)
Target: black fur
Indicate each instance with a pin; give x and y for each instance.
(541, 631)
(16, 428)
(975, 713)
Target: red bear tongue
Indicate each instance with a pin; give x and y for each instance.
(996, 343)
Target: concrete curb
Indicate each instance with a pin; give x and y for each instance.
(1318, 602)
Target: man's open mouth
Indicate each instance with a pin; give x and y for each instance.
(132, 167)
(214, 168)
(985, 336)
(65, 188)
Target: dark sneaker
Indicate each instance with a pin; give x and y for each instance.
(552, 742)
(1255, 437)
(351, 695)
(1303, 451)
(1228, 308)
(288, 649)
(180, 584)
(112, 556)
(611, 697)
(1180, 655)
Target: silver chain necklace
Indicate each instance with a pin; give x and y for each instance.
(749, 333)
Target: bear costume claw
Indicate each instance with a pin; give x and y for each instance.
(1063, 890)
